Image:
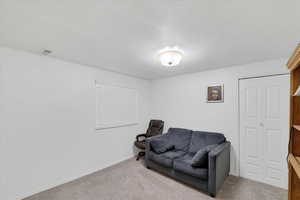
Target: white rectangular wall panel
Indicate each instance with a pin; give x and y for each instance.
(116, 106)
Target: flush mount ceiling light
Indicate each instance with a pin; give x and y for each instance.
(170, 57)
(46, 52)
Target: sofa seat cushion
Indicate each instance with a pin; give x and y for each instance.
(183, 165)
(166, 158)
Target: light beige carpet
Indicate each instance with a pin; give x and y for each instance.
(130, 180)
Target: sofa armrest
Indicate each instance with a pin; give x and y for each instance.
(218, 167)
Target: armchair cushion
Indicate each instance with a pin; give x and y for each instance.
(140, 135)
(200, 159)
(140, 144)
(161, 146)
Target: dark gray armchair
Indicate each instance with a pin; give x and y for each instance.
(155, 128)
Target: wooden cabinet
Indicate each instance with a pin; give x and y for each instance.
(294, 143)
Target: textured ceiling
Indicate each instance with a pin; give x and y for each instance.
(125, 35)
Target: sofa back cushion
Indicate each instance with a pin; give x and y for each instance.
(201, 139)
(180, 138)
(160, 146)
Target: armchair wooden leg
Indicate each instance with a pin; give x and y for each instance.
(140, 154)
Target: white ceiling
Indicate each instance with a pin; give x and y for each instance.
(125, 35)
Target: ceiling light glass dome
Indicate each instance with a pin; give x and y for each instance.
(170, 57)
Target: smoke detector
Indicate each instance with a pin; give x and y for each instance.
(46, 52)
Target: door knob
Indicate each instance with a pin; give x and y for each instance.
(261, 124)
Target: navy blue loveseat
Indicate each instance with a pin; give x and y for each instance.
(176, 159)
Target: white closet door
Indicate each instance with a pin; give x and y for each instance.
(264, 104)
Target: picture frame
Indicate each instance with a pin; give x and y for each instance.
(215, 93)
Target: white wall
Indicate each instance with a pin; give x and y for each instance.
(181, 101)
(47, 132)
(47, 117)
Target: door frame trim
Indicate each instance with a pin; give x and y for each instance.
(239, 122)
(262, 76)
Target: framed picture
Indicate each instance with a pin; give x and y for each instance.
(215, 93)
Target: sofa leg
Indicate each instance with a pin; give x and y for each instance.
(212, 195)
